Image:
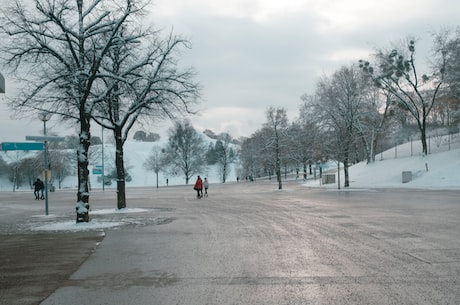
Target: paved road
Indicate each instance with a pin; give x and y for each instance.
(252, 244)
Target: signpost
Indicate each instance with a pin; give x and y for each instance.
(22, 146)
(44, 139)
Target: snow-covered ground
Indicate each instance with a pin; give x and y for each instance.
(438, 170)
(53, 223)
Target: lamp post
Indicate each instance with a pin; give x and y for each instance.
(103, 174)
(44, 117)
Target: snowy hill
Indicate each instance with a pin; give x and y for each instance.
(440, 169)
(135, 154)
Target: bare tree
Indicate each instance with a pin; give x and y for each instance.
(339, 107)
(447, 42)
(306, 140)
(224, 155)
(58, 48)
(250, 157)
(59, 165)
(277, 125)
(185, 150)
(144, 84)
(156, 161)
(397, 74)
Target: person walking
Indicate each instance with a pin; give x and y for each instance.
(39, 186)
(198, 187)
(206, 185)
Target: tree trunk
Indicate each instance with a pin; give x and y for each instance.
(278, 176)
(224, 172)
(15, 178)
(423, 139)
(278, 172)
(373, 148)
(338, 175)
(119, 163)
(345, 170)
(305, 170)
(82, 207)
(278, 163)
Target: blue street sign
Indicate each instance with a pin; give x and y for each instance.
(97, 170)
(22, 146)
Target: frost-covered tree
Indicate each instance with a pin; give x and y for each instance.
(339, 108)
(185, 150)
(447, 107)
(156, 161)
(224, 154)
(144, 83)
(276, 143)
(397, 73)
(250, 158)
(140, 135)
(304, 141)
(59, 161)
(59, 50)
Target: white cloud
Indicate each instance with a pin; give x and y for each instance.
(347, 55)
(237, 121)
(233, 8)
(354, 15)
(255, 54)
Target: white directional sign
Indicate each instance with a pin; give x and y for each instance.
(43, 139)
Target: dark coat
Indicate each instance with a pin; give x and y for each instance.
(38, 185)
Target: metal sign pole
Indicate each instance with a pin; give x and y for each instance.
(46, 169)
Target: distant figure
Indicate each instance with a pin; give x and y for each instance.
(39, 186)
(198, 187)
(206, 185)
(167, 181)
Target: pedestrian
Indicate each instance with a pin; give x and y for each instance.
(198, 187)
(206, 185)
(39, 186)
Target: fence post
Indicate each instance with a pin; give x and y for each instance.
(411, 147)
(429, 145)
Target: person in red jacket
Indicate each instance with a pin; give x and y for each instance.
(199, 187)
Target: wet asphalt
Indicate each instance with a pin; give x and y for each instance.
(247, 243)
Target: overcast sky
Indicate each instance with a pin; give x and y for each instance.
(251, 55)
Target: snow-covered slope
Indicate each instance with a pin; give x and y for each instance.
(440, 169)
